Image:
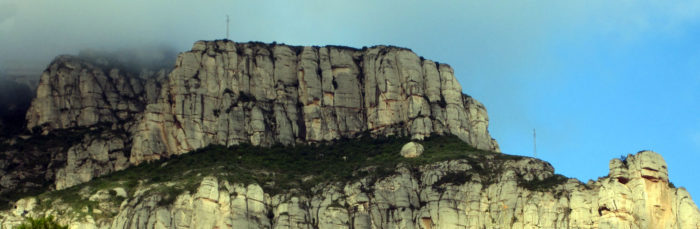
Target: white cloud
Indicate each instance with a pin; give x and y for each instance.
(495, 35)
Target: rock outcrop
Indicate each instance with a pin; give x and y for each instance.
(97, 155)
(90, 119)
(74, 92)
(636, 194)
(82, 119)
(227, 93)
(411, 150)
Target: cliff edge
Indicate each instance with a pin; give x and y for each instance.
(227, 93)
(231, 138)
(100, 117)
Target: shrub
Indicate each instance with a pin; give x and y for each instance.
(41, 223)
(454, 178)
(281, 169)
(544, 185)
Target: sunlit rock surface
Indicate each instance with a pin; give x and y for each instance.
(96, 119)
(635, 195)
(229, 93)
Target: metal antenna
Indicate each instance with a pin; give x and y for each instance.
(534, 142)
(226, 26)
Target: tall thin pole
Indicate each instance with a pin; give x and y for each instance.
(534, 142)
(226, 26)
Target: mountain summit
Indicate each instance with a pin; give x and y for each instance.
(229, 93)
(261, 135)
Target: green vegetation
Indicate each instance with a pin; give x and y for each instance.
(281, 168)
(63, 138)
(290, 169)
(543, 185)
(39, 152)
(277, 169)
(451, 178)
(41, 223)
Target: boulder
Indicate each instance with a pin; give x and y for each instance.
(411, 150)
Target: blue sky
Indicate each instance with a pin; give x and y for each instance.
(597, 79)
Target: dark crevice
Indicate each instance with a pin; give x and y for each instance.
(623, 180)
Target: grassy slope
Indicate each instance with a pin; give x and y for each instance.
(281, 169)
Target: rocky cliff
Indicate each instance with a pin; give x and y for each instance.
(476, 191)
(229, 93)
(75, 92)
(271, 109)
(81, 118)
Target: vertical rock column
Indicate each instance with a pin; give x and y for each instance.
(227, 93)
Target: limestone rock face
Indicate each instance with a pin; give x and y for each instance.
(81, 119)
(424, 198)
(100, 155)
(229, 93)
(90, 120)
(638, 188)
(226, 93)
(74, 92)
(411, 150)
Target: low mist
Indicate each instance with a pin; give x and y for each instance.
(133, 59)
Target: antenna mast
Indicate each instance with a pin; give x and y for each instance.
(227, 26)
(534, 142)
